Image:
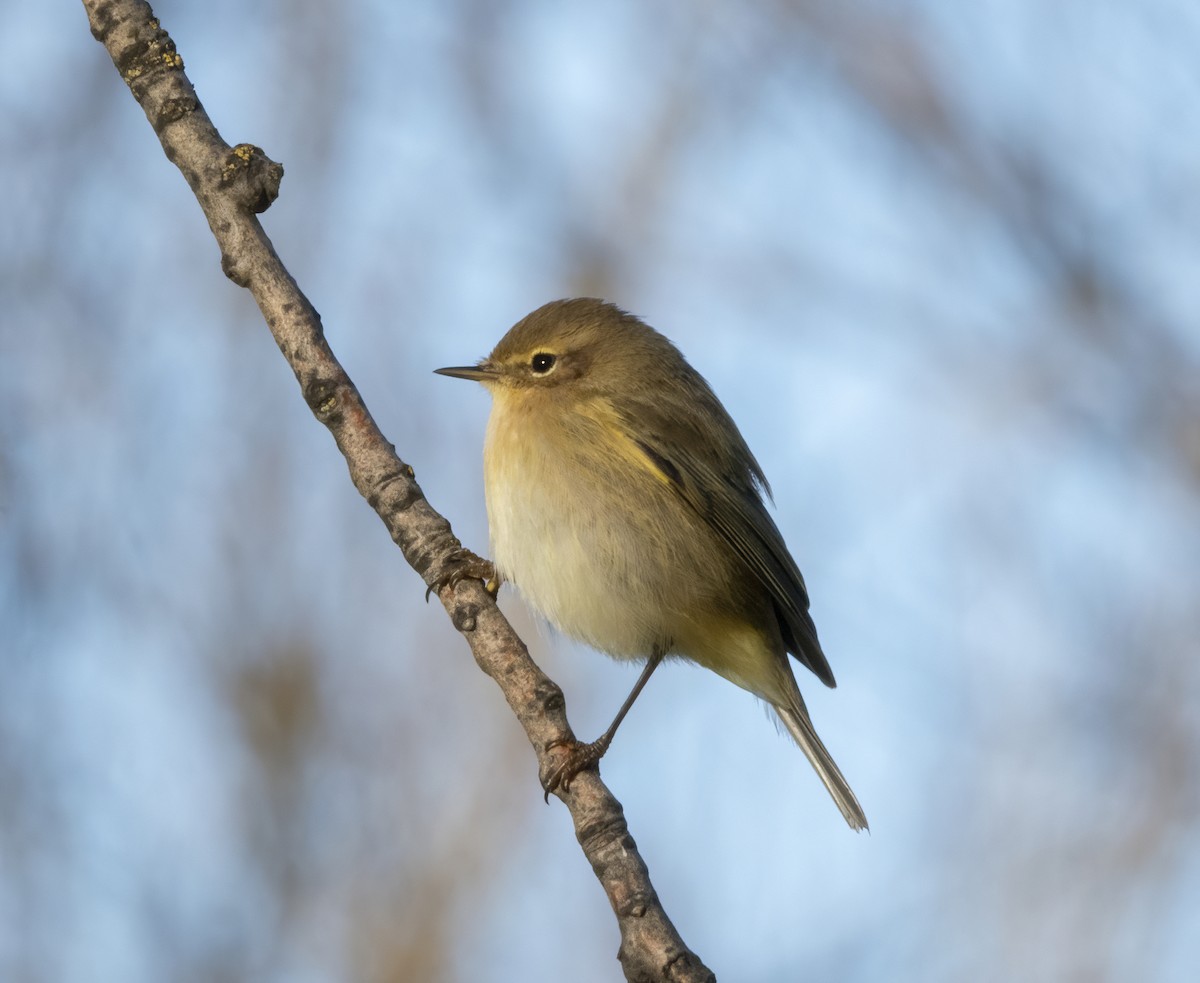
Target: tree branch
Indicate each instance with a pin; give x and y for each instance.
(231, 185)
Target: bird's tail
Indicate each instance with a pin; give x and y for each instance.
(799, 725)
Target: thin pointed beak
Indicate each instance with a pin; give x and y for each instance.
(476, 373)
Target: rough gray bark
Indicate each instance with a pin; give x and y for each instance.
(232, 184)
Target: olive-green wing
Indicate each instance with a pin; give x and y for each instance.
(723, 484)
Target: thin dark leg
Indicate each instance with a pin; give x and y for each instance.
(651, 664)
(582, 756)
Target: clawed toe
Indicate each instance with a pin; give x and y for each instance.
(580, 757)
(462, 564)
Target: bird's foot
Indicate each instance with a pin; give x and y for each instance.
(462, 564)
(579, 758)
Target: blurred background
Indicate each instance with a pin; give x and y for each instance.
(940, 262)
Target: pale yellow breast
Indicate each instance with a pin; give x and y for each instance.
(589, 535)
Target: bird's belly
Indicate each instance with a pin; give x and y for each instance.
(570, 561)
(591, 559)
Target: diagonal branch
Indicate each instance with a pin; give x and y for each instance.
(231, 185)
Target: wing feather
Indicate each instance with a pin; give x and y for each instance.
(724, 485)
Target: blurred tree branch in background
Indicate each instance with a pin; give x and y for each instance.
(939, 258)
(1113, 365)
(1017, 189)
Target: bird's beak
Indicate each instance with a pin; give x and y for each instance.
(476, 373)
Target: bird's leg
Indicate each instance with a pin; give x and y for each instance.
(462, 564)
(582, 756)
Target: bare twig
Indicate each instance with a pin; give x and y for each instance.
(231, 185)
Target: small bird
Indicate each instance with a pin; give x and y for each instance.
(625, 506)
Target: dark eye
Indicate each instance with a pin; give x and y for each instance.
(542, 362)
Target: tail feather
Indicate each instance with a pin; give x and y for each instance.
(799, 725)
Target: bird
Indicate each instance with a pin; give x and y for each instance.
(626, 507)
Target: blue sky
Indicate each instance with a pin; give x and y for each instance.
(938, 260)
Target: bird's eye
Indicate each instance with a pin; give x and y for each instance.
(542, 362)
